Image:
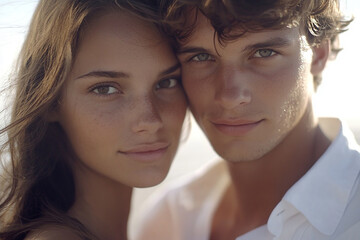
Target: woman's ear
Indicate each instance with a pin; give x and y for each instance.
(53, 114)
(321, 55)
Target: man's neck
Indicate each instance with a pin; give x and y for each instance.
(258, 186)
(263, 182)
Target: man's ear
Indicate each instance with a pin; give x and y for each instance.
(321, 55)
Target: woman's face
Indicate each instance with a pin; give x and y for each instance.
(122, 106)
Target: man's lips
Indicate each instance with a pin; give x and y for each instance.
(235, 122)
(235, 127)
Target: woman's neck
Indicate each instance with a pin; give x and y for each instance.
(102, 205)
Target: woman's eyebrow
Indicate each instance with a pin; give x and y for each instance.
(116, 74)
(106, 74)
(170, 69)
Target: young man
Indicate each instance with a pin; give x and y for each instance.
(250, 69)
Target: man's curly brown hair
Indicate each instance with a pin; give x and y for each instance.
(320, 19)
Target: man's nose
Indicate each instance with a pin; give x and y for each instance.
(232, 88)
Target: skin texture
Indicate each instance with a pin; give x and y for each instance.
(122, 109)
(252, 97)
(240, 86)
(131, 107)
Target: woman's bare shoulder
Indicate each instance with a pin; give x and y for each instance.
(53, 233)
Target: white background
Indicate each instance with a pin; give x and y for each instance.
(339, 94)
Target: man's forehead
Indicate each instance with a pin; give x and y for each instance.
(203, 34)
(202, 27)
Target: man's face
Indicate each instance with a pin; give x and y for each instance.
(249, 94)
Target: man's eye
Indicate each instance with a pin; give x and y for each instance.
(167, 83)
(105, 90)
(263, 53)
(201, 57)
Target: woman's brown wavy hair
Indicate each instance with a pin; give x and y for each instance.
(321, 19)
(37, 182)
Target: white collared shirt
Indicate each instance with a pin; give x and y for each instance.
(324, 204)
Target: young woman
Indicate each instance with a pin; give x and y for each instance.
(98, 110)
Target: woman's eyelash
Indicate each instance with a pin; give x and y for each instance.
(169, 82)
(104, 89)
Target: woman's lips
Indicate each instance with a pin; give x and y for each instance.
(147, 152)
(235, 127)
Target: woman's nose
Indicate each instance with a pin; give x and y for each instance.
(147, 118)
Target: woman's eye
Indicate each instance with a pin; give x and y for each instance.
(263, 53)
(201, 57)
(105, 90)
(167, 83)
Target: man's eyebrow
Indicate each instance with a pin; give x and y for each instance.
(272, 42)
(191, 49)
(106, 74)
(170, 69)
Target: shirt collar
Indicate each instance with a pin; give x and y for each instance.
(322, 194)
